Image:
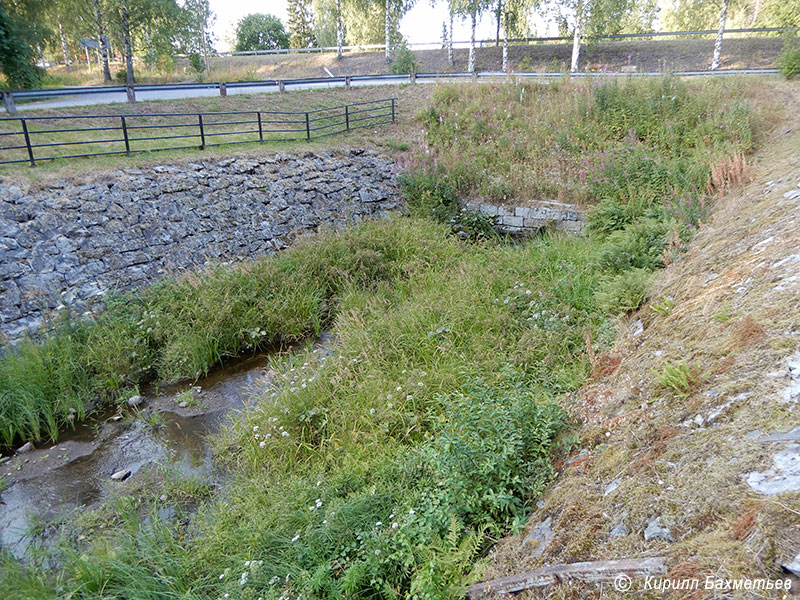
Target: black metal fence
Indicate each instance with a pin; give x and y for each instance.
(32, 139)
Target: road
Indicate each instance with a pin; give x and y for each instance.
(176, 94)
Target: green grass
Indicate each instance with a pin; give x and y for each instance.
(436, 412)
(388, 469)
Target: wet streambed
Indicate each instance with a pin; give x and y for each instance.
(170, 427)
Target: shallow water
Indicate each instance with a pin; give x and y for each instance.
(49, 482)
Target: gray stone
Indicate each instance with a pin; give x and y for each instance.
(26, 447)
(612, 487)
(793, 567)
(183, 404)
(789, 436)
(619, 530)
(135, 401)
(655, 531)
(541, 536)
(121, 475)
(784, 475)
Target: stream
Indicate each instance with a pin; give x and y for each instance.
(170, 427)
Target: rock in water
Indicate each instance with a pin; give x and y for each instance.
(121, 475)
(135, 401)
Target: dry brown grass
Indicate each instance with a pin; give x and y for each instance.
(735, 315)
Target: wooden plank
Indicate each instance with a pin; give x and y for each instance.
(592, 572)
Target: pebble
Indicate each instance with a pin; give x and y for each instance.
(135, 401)
(655, 531)
(121, 475)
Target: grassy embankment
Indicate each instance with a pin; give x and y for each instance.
(388, 469)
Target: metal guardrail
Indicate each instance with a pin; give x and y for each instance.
(133, 133)
(282, 84)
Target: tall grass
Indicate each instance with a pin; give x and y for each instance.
(180, 328)
(642, 154)
(387, 469)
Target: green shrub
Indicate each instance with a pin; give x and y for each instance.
(623, 292)
(639, 245)
(404, 61)
(429, 194)
(680, 377)
(788, 61)
(196, 63)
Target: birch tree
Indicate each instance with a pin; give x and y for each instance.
(723, 15)
(471, 9)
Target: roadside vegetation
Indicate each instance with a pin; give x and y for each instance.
(388, 469)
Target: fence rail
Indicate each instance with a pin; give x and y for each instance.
(134, 133)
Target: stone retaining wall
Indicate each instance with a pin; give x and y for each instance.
(523, 220)
(70, 243)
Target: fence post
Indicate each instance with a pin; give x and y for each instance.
(223, 89)
(260, 129)
(202, 132)
(347, 117)
(125, 135)
(393, 118)
(308, 128)
(28, 142)
(131, 92)
(8, 101)
(347, 82)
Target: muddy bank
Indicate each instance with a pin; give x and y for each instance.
(171, 427)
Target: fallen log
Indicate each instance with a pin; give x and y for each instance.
(592, 572)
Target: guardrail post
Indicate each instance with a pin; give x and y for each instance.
(8, 101)
(202, 132)
(223, 89)
(125, 135)
(393, 118)
(260, 129)
(347, 82)
(131, 92)
(28, 142)
(281, 86)
(412, 78)
(347, 117)
(308, 128)
(474, 77)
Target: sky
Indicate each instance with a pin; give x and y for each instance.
(423, 23)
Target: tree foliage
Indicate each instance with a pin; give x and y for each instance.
(260, 31)
(301, 24)
(16, 52)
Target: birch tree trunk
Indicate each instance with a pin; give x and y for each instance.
(471, 64)
(339, 29)
(103, 41)
(64, 48)
(755, 13)
(386, 31)
(126, 38)
(576, 40)
(450, 39)
(723, 15)
(498, 15)
(505, 42)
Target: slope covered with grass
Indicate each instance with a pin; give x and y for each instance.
(388, 469)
